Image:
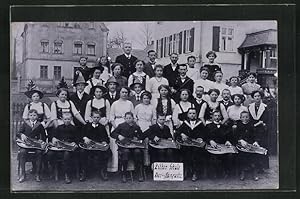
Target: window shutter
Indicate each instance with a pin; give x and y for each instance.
(216, 38)
(174, 43)
(180, 43)
(161, 47)
(165, 46)
(184, 41)
(192, 33)
(170, 44)
(157, 47)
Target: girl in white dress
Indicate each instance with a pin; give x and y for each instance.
(117, 114)
(139, 74)
(204, 82)
(156, 81)
(234, 88)
(234, 111)
(218, 84)
(145, 117)
(95, 80)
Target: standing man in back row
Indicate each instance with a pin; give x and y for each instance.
(171, 71)
(127, 60)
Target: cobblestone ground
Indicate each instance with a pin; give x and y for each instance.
(268, 180)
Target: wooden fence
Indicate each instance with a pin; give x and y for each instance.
(16, 120)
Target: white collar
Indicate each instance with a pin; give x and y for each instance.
(260, 111)
(94, 125)
(139, 74)
(114, 93)
(128, 56)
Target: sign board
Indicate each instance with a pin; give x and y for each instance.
(167, 171)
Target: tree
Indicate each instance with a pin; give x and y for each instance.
(118, 40)
(146, 35)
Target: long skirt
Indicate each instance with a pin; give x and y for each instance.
(112, 165)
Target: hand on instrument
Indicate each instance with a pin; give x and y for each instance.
(227, 143)
(156, 139)
(54, 140)
(199, 139)
(121, 137)
(213, 143)
(23, 137)
(86, 140)
(184, 137)
(104, 143)
(255, 144)
(243, 142)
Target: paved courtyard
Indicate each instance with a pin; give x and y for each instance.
(268, 180)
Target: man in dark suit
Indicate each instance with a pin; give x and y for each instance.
(149, 66)
(127, 60)
(182, 82)
(83, 69)
(80, 98)
(112, 95)
(198, 100)
(171, 71)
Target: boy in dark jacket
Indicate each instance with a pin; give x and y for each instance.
(193, 157)
(155, 133)
(218, 133)
(32, 129)
(129, 130)
(245, 133)
(66, 133)
(94, 132)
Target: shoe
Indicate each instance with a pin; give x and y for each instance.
(22, 179)
(82, 176)
(38, 178)
(103, 174)
(255, 177)
(194, 178)
(242, 176)
(67, 179)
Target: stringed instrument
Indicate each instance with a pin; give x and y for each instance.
(62, 146)
(164, 144)
(94, 146)
(250, 148)
(131, 144)
(221, 149)
(31, 143)
(191, 142)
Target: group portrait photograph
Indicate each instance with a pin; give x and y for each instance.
(144, 105)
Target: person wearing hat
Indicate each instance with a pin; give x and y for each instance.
(212, 65)
(42, 108)
(137, 87)
(85, 71)
(113, 94)
(80, 98)
(95, 80)
(98, 103)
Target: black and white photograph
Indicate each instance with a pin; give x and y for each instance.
(144, 105)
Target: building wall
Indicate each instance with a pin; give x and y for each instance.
(230, 61)
(34, 57)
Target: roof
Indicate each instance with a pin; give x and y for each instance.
(264, 37)
(114, 52)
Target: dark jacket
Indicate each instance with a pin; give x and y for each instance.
(129, 68)
(127, 131)
(148, 69)
(226, 104)
(198, 131)
(155, 130)
(212, 69)
(97, 134)
(187, 84)
(79, 104)
(170, 75)
(245, 132)
(86, 73)
(67, 133)
(219, 135)
(111, 101)
(134, 101)
(198, 105)
(36, 132)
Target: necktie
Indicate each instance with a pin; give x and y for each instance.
(138, 98)
(112, 96)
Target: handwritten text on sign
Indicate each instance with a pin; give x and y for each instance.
(168, 171)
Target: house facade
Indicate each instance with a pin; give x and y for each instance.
(198, 37)
(52, 50)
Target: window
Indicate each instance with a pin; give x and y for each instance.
(273, 58)
(161, 47)
(170, 44)
(45, 46)
(58, 47)
(227, 39)
(57, 72)
(77, 48)
(76, 25)
(43, 72)
(158, 48)
(188, 41)
(90, 49)
(167, 46)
